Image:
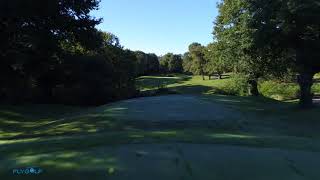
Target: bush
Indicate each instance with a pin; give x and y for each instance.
(279, 91)
(237, 85)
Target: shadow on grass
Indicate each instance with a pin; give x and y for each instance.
(16, 124)
(75, 164)
(149, 82)
(67, 147)
(33, 147)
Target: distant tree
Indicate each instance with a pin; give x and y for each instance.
(171, 63)
(217, 62)
(147, 63)
(187, 63)
(141, 62)
(153, 64)
(196, 51)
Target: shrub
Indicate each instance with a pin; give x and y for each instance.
(279, 91)
(236, 85)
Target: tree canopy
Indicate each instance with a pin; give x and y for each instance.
(264, 38)
(51, 52)
(290, 32)
(171, 63)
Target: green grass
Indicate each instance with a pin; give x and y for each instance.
(22, 123)
(183, 84)
(195, 85)
(84, 143)
(81, 142)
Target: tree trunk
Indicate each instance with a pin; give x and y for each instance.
(253, 88)
(220, 76)
(209, 77)
(305, 81)
(203, 78)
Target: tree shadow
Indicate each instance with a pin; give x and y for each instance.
(21, 124)
(75, 163)
(156, 82)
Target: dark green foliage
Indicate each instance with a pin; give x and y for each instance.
(271, 39)
(290, 32)
(234, 41)
(279, 90)
(187, 63)
(171, 63)
(197, 51)
(208, 60)
(217, 63)
(51, 52)
(147, 64)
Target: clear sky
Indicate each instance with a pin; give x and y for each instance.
(158, 26)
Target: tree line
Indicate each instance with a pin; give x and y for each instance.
(262, 39)
(271, 39)
(51, 52)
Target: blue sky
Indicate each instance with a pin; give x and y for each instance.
(158, 26)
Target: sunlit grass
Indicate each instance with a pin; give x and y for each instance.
(239, 136)
(182, 84)
(196, 85)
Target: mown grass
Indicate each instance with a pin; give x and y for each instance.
(93, 157)
(19, 122)
(64, 140)
(183, 84)
(30, 121)
(227, 86)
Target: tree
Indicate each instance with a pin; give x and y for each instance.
(110, 39)
(32, 35)
(290, 32)
(197, 53)
(187, 63)
(51, 52)
(141, 62)
(171, 63)
(217, 63)
(153, 65)
(148, 64)
(235, 40)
